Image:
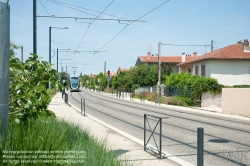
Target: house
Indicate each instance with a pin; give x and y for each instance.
(122, 70)
(92, 76)
(171, 61)
(229, 65)
(112, 74)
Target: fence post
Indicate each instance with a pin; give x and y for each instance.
(160, 136)
(63, 92)
(200, 143)
(145, 116)
(84, 107)
(81, 106)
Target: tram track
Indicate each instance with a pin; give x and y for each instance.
(141, 128)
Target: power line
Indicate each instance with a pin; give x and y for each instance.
(92, 22)
(132, 23)
(44, 7)
(70, 45)
(85, 8)
(71, 8)
(185, 45)
(128, 25)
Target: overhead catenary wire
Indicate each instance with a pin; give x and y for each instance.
(128, 25)
(73, 8)
(132, 23)
(53, 1)
(92, 22)
(70, 45)
(44, 7)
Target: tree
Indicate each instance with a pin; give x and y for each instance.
(29, 97)
(166, 70)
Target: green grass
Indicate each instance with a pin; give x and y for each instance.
(52, 136)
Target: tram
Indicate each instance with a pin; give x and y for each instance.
(74, 84)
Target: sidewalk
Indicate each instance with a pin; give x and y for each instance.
(127, 149)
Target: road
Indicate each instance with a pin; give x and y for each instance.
(226, 140)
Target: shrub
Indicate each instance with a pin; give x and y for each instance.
(241, 86)
(198, 84)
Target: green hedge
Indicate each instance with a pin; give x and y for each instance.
(241, 86)
(198, 84)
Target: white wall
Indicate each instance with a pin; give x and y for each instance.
(230, 72)
(227, 72)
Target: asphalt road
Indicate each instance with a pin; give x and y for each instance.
(226, 140)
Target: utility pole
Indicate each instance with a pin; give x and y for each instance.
(4, 69)
(57, 60)
(34, 28)
(159, 63)
(104, 68)
(21, 53)
(50, 46)
(212, 45)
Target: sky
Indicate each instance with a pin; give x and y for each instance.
(179, 22)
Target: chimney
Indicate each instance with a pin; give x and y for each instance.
(149, 55)
(195, 54)
(245, 45)
(183, 57)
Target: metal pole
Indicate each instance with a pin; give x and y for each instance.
(200, 143)
(57, 60)
(34, 28)
(84, 106)
(104, 68)
(4, 69)
(81, 105)
(145, 116)
(159, 63)
(22, 54)
(66, 69)
(160, 136)
(50, 45)
(61, 65)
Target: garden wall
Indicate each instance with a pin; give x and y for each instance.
(236, 101)
(209, 99)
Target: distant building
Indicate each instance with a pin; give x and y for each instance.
(92, 76)
(171, 61)
(122, 70)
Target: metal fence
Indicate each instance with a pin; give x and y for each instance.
(168, 91)
(182, 91)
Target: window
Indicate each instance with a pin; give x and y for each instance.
(197, 70)
(203, 70)
(189, 70)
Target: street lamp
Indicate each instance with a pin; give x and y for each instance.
(61, 63)
(57, 58)
(50, 40)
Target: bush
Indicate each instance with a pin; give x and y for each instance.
(198, 84)
(241, 86)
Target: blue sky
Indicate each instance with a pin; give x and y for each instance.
(183, 22)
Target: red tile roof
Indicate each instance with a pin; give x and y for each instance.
(92, 76)
(234, 51)
(154, 59)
